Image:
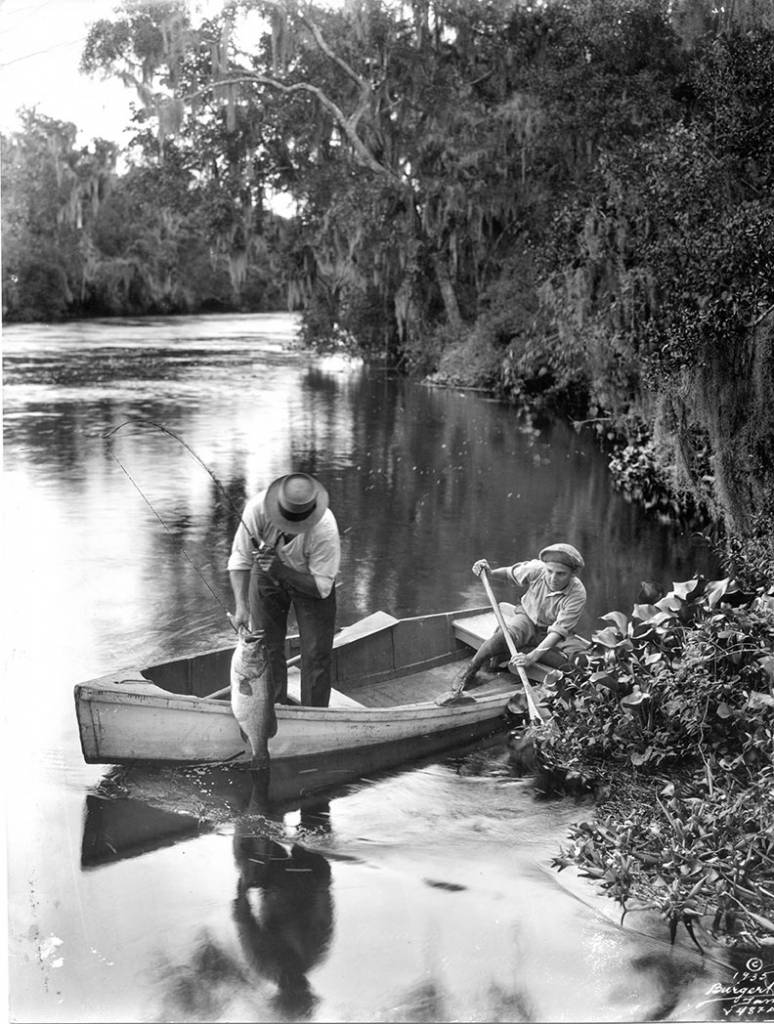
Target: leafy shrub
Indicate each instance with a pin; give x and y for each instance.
(751, 558)
(472, 362)
(699, 658)
(41, 290)
(684, 686)
(642, 474)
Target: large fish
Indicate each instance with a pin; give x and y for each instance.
(252, 694)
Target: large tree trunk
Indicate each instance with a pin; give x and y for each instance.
(450, 304)
(735, 394)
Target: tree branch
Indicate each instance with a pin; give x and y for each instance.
(329, 53)
(348, 125)
(762, 316)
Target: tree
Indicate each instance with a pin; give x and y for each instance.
(663, 277)
(374, 118)
(51, 194)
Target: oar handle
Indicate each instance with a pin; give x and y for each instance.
(227, 689)
(498, 613)
(534, 710)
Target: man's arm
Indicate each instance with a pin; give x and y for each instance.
(303, 582)
(240, 585)
(323, 550)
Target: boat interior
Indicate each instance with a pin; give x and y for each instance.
(379, 661)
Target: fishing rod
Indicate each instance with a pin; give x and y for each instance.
(171, 532)
(171, 433)
(180, 440)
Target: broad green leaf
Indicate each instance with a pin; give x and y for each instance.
(715, 591)
(760, 700)
(687, 590)
(670, 603)
(605, 678)
(608, 637)
(661, 617)
(619, 619)
(644, 612)
(767, 664)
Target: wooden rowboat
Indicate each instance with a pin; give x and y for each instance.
(388, 676)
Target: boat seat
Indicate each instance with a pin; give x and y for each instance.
(475, 629)
(478, 628)
(337, 698)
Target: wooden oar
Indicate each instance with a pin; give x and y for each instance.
(227, 689)
(534, 710)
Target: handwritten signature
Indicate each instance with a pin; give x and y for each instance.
(750, 992)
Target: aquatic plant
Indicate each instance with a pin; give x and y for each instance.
(668, 716)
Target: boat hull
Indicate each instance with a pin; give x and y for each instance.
(131, 728)
(388, 677)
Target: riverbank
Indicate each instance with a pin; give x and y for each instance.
(668, 717)
(641, 469)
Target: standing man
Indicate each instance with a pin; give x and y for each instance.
(543, 622)
(286, 551)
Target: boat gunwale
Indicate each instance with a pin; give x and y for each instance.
(139, 684)
(401, 723)
(109, 693)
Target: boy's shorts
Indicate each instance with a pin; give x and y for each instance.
(527, 635)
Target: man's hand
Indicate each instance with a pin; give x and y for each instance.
(241, 617)
(264, 557)
(481, 566)
(302, 583)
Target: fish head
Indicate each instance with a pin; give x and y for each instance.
(251, 651)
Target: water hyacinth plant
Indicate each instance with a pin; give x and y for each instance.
(668, 716)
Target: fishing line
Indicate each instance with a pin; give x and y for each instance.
(171, 532)
(171, 433)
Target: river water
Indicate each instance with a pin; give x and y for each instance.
(423, 894)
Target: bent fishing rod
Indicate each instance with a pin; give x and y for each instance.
(175, 436)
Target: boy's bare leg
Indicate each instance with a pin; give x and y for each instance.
(495, 646)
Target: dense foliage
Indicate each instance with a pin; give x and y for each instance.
(669, 716)
(569, 203)
(80, 238)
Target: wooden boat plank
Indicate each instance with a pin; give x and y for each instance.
(337, 700)
(409, 644)
(409, 689)
(475, 629)
(364, 627)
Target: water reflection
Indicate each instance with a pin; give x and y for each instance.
(447, 915)
(282, 908)
(283, 911)
(114, 829)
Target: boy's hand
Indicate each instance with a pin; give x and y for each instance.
(523, 660)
